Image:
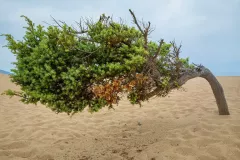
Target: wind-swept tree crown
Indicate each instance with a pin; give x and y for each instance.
(68, 69)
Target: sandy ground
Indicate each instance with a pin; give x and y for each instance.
(183, 126)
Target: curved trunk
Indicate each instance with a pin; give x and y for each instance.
(205, 73)
(215, 85)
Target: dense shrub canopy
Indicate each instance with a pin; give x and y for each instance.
(68, 69)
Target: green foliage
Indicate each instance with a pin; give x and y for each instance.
(185, 63)
(133, 98)
(57, 67)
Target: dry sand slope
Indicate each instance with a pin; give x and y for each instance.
(184, 126)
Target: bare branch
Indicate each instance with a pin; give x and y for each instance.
(147, 28)
(48, 23)
(74, 28)
(135, 21)
(175, 55)
(159, 48)
(81, 27)
(144, 32)
(64, 23)
(176, 49)
(121, 21)
(150, 30)
(56, 22)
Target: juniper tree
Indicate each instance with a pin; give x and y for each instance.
(69, 69)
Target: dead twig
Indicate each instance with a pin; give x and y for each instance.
(159, 48)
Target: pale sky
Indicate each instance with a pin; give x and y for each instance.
(208, 29)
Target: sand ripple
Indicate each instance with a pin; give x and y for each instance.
(184, 125)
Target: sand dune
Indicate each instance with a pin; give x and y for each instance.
(183, 126)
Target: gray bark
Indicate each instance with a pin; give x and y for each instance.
(217, 89)
(205, 73)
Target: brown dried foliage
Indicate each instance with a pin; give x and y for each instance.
(110, 91)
